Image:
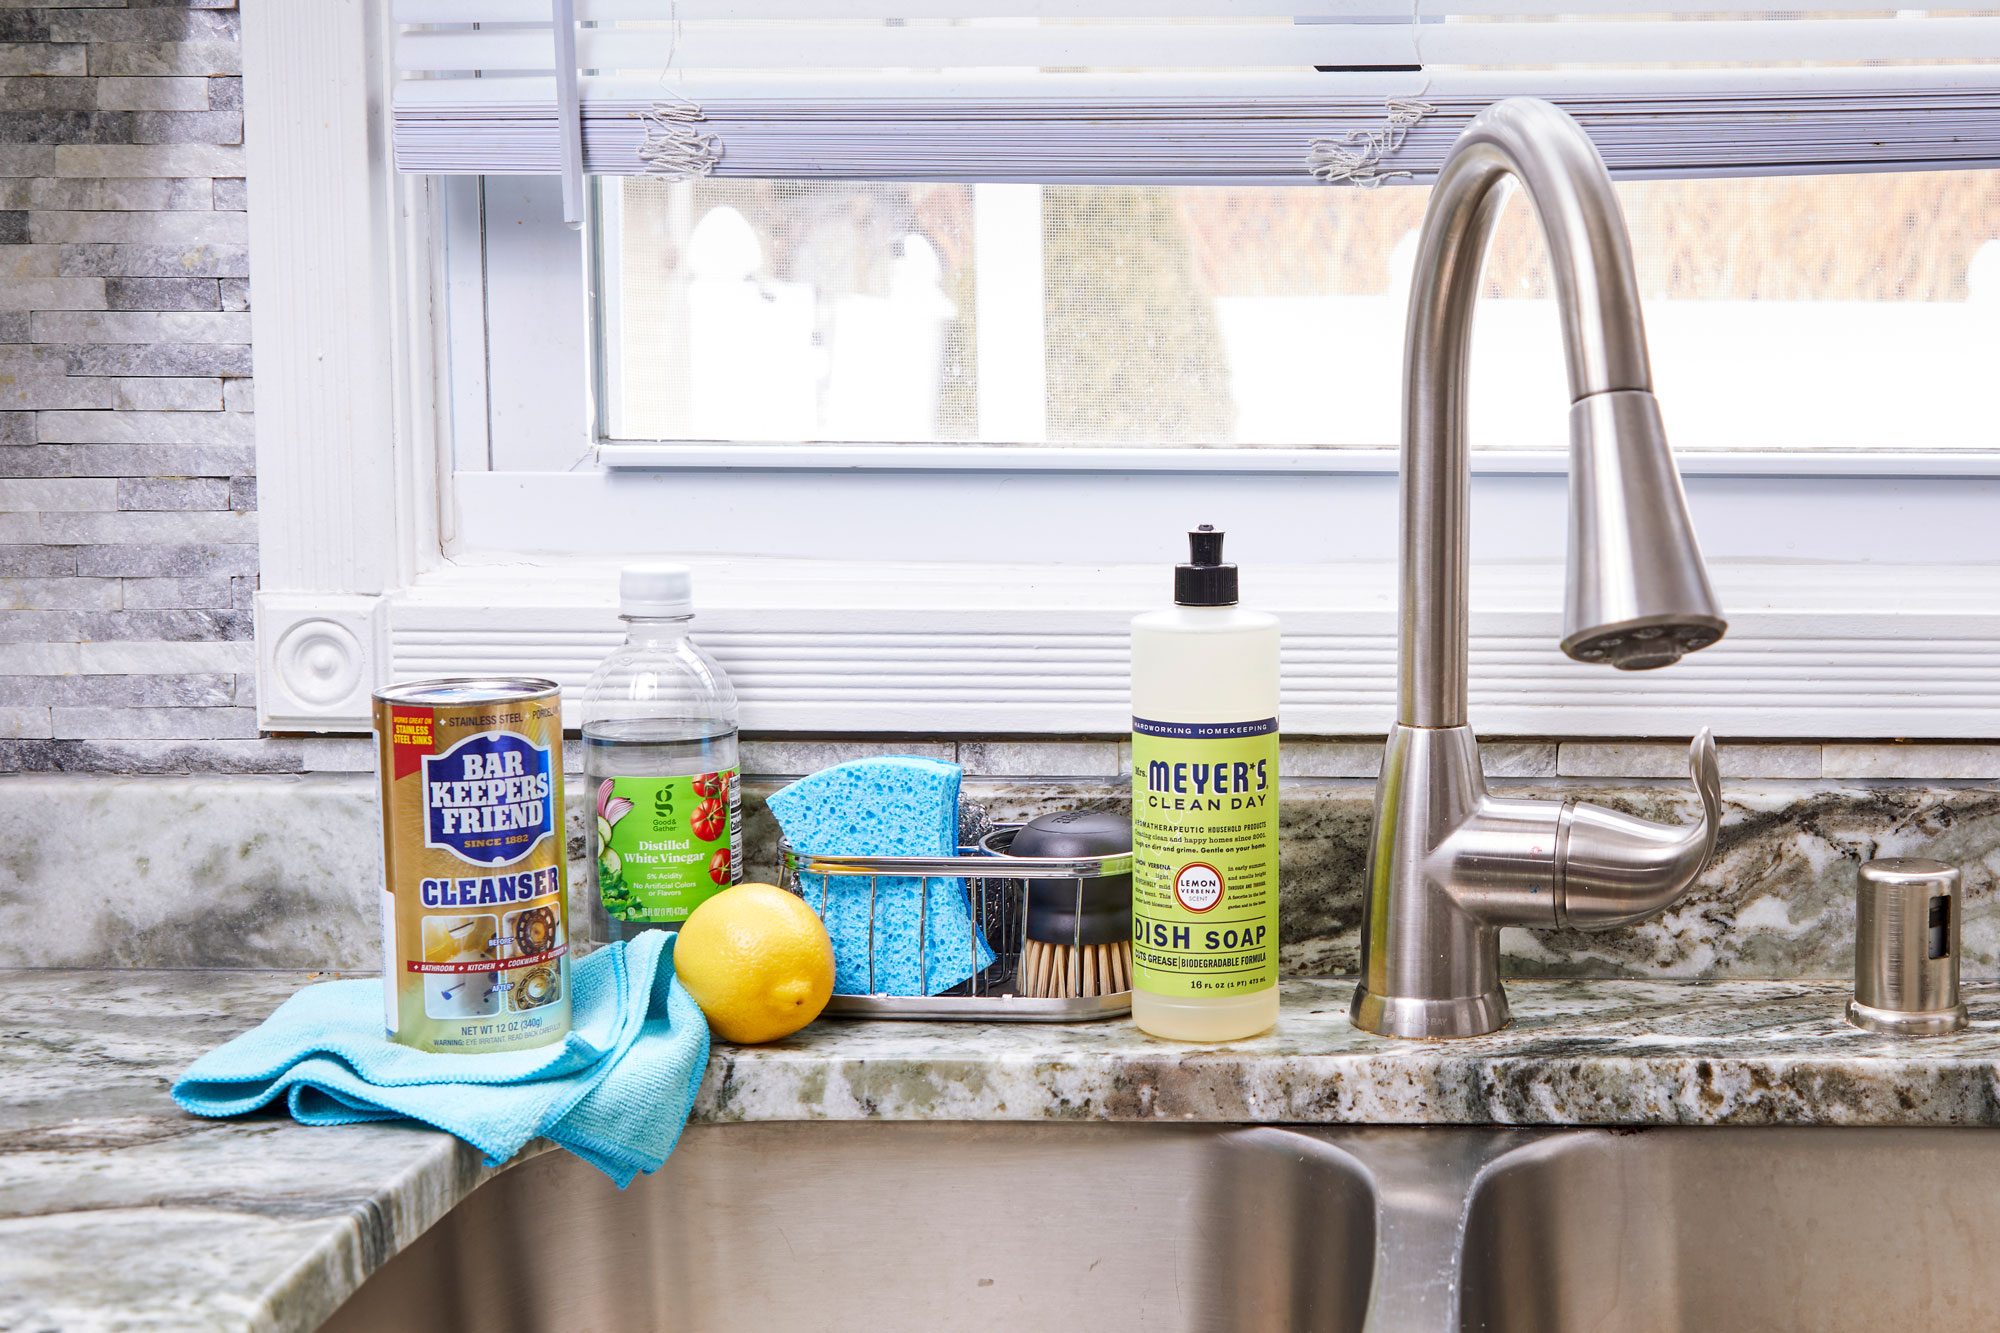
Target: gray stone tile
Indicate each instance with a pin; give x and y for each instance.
(168, 394)
(126, 94)
(13, 227)
(29, 263)
(26, 159)
(98, 723)
(17, 428)
(37, 561)
(27, 722)
(160, 359)
(187, 127)
(200, 690)
(796, 758)
(194, 656)
(229, 195)
(153, 294)
(225, 95)
(60, 594)
(1669, 759)
(51, 294)
(92, 161)
(243, 592)
(187, 228)
(235, 293)
(141, 560)
(141, 194)
(1940, 762)
(155, 261)
(173, 493)
(239, 396)
(146, 428)
(42, 93)
(154, 59)
(141, 327)
(269, 755)
(14, 328)
(243, 493)
(40, 659)
(1518, 759)
(67, 127)
(92, 629)
(217, 593)
(41, 57)
(338, 754)
(57, 493)
(1040, 759)
(157, 26)
(1307, 757)
(128, 460)
(130, 529)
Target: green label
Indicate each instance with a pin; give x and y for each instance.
(665, 846)
(1204, 856)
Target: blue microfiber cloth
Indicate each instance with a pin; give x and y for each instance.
(899, 805)
(616, 1091)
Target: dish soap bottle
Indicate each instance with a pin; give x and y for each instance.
(659, 760)
(1205, 808)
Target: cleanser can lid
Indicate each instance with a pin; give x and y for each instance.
(656, 589)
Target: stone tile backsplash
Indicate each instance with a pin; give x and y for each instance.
(128, 525)
(284, 871)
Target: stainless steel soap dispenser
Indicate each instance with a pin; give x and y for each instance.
(1906, 949)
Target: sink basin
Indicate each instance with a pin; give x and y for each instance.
(1736, 1229)
(904, 1226)
(893, 1226)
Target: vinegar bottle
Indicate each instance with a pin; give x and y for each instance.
(659, 760)
(1205, 808)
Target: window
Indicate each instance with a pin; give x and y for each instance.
(929, 439)
(1854, 312)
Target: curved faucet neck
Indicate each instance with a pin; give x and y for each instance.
(1603, 338)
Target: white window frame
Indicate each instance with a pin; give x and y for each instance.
(1862, 589)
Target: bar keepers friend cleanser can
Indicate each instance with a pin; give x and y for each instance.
(475, 920)
(1205, 808)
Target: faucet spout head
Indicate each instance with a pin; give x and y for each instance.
(1638, 592)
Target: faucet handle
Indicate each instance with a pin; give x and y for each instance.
(1614, 869)
(1705, 772)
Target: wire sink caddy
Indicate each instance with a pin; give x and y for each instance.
(996, 897)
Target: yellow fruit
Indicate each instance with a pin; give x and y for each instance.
(757, 961)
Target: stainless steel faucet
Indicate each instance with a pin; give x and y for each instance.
(1449, 864)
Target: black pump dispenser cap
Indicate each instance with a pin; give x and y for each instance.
(1205, 580)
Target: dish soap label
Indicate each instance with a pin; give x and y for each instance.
(665, 845)
(1204, 856)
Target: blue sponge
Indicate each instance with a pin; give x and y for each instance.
(895, 806)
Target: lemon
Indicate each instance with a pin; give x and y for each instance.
(757, 961)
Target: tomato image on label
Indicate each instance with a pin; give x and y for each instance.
(710, 784)
(1198, 886)
(718, 866)
(709, 819)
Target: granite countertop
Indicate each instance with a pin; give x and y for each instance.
(117, 1210)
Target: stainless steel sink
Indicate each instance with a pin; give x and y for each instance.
(848, 1226)
(892, 1226)
(1737, 1229)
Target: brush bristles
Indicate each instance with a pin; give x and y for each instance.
(1064, 972)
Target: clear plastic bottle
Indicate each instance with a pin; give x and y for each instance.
(659, 759)
(1205, 808)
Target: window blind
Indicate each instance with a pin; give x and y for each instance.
(1247, 92)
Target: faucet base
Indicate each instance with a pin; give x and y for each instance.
(1429, 1020)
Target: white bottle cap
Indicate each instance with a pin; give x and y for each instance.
(658, 590)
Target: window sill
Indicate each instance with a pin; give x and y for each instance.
(816, 646)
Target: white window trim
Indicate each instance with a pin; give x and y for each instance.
(357, 589)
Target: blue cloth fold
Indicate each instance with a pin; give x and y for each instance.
(616, 1091)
